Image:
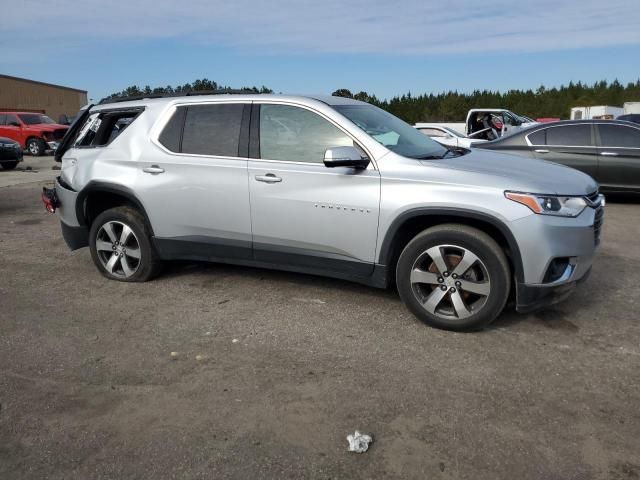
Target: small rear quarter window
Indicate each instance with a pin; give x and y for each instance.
(172, 132)
(539, 137)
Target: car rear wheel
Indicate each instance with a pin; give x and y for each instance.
(121, 247)
(9, 165)
(36, 147)
(454, 277)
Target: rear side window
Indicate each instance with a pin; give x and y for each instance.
(212, 129)
(619, 136)
(570, 135)
(102, 128)
(3, 119)
(172, 132)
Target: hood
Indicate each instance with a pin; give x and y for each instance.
(49, 127)
(513, 172)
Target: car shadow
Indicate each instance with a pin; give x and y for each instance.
(622, 198)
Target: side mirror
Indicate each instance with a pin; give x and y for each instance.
(14, 124)
(345, 157)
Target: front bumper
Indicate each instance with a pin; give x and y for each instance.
(11, 154)
(533, 297)
(544, 240)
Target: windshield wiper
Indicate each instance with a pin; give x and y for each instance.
(437, 157)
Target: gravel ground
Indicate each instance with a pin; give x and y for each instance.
(274, 369)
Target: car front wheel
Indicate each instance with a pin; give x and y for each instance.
(454, 277)
(121, 247)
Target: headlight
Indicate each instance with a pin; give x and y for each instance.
(550, 204)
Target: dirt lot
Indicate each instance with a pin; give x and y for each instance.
(290, 364)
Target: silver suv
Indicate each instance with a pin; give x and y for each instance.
(326, 186)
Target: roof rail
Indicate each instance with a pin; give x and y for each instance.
(176, 94)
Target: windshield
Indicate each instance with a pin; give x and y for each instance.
(34, 118)
(393, 133)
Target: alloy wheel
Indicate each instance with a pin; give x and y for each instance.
(118, 249)
(450, 282)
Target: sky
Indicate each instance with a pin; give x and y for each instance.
(385, 48)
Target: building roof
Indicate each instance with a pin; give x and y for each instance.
(41, 83)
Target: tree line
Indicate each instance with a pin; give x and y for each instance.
(200, 85)
(543, 102)
(453, 105)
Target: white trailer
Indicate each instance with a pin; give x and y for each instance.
(631, 107)
(599, 112)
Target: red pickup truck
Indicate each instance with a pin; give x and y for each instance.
(35, 132)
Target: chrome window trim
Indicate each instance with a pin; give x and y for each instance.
(166, 115)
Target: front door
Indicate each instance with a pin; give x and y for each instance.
(303, 213)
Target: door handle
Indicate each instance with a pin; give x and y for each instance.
(541, 150)
(609, 154)
(268, 178)
(155, 169)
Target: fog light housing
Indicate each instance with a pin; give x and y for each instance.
(556, 269)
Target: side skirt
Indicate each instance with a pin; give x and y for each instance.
(241, 253)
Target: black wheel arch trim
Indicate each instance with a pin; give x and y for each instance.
(97, 187)
(386, 249)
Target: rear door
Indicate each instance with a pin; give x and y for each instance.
(303, 213)
(571, 145)
(619, 154)
(193, 181)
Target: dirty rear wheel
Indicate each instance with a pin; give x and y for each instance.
(121, 247)
(454, 277)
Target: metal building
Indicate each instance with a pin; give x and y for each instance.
(21, 94)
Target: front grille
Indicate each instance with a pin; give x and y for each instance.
(594, 199)
(597, 224)
(59, 133)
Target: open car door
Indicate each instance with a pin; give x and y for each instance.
(72, 133)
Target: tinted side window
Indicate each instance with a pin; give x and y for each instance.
(3, 119)
(297, 135)
(570, 135)
(172, 132)
(619, 136)
(539, 137)
(12, 119)
(212, 129)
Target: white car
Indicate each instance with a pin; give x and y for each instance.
(446, 136)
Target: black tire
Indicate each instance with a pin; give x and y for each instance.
(148, 265)
(490, 271)
(9, 165)
(36, 147)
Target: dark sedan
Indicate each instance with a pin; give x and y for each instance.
(10, 153)
(608, 150)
